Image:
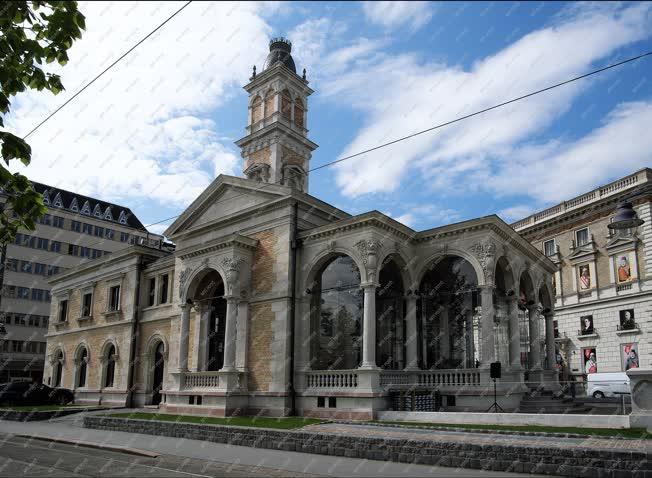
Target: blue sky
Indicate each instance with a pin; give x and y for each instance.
(158, 128)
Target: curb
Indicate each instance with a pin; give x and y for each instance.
(99, 446)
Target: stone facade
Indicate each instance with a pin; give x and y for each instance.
(608, 297)
(265, 277)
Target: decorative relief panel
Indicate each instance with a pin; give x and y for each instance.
(485, 252)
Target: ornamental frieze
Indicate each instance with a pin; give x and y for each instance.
(485, 253)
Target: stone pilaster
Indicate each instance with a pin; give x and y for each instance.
(411, 338)
(184, 328)
(369, 327)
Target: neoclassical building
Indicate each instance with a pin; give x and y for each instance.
(275, 302)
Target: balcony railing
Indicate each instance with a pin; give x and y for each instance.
(627, 326)
(332, 379)
(200, 380)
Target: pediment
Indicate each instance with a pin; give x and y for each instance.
(582, 253)
(621, 243)
(227, 195)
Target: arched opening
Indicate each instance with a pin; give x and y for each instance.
(503, 294)
(390, 328)
(109, 374)
(448, 298)
(82, 359)
(256, 110)
(58, 369)
(525, 303)
(299, 113)
(269, 103)
(208, 296)
(337, 302)
(158, 369)
(286, 105)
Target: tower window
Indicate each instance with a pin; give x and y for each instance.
(286, 105)
(298, 113)
(256, 110)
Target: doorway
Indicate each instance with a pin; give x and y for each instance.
(159, 366)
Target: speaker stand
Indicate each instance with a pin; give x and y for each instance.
(494, 406)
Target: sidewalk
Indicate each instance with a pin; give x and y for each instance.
(70, 428)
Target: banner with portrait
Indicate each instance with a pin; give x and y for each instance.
(584, 277)
(590, 360)
(624, 264)
(630, 356)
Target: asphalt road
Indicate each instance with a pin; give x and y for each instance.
(23, 457)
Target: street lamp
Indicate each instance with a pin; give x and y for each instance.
(625, 218)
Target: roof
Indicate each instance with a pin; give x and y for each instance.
(98, 209)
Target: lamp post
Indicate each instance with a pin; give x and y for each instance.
(625, 218)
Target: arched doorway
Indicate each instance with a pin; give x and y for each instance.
(208, 297)
(390, 315)
(158, 370)
(58, 369)
(83, 367)
(448, 298)
(336, 320)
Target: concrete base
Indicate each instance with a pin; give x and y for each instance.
(551, 420)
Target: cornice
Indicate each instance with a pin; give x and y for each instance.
(233, 240)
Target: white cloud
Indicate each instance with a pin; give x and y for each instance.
(409, 95)
(158, 228)
(396, 14)
(515, 212)
(144, 128)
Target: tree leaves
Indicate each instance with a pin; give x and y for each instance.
(27, 40)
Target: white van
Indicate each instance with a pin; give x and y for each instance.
(600, 385)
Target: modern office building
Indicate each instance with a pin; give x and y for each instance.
(603, 285)
(76, 229)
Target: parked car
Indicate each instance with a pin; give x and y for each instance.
(30, 393)
(601, 385)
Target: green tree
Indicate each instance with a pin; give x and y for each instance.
(31, 33)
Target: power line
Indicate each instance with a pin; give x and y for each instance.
(447, 123)
(107, 69)
(441, 125)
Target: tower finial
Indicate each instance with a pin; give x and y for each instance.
(304, 75)
(253, 75)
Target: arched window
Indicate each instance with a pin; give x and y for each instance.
(58, 369)
(298, 113)
(389, 319)
(286, 105)
(109, 375)
(256, 110)
(337, 316)
(270, 107)
(448, 298)
(83, 366)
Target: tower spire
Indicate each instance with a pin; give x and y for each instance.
(276, 148)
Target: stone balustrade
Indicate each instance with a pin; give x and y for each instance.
(332, 379)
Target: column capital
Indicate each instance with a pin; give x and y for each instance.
(369, 285)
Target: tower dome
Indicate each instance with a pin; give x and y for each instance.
(279, 51)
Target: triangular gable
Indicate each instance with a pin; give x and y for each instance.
(227, 195)
(107, 214)
(621, 243)
(74, 206)
(123, 218)
(57, 201)
(46, 198)
(86, 209)
(97, 212)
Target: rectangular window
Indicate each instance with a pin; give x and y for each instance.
(22, 292)
(45, 322)
(109, 233)
(20, 320)
(32, 321)
(87, 228)
(41, 347)
(55, 246)
(75, 226)
(26, 266)
(63, 311)
(124, 237)
(164, 289)
(46, 219)
(52, 270)
(57, 222)
(39, 268)
(19, 239)
(114, 298)
(9, 291)
(99, 231)
(151, 299)
(549, 248)
(582, 236)
(73, 250)
(37, 294)
(86, 305)
(43, 244)
(11, 265)
(95, 253)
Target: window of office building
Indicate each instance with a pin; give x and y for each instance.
(86, 305)
(87, 228)
(75, 226)
(151, 298)
(114, 298)
(582, 236)
(164, 289)
(549, 248)
(57, 222)
(63, 311)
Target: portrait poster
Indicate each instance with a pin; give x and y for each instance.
(624, 264)
(630, 356)
(627, 319)
(586, 324)
(590, 360)
(584, 277)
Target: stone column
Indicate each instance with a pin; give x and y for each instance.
(411, 339)
(550, 341)
(487, 326)
(514, 334)
(535, 340)
(204, 324)
(242, 333)
(184, 328)
(230, 335)
(369, 327)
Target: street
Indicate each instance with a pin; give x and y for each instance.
(177, 457)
